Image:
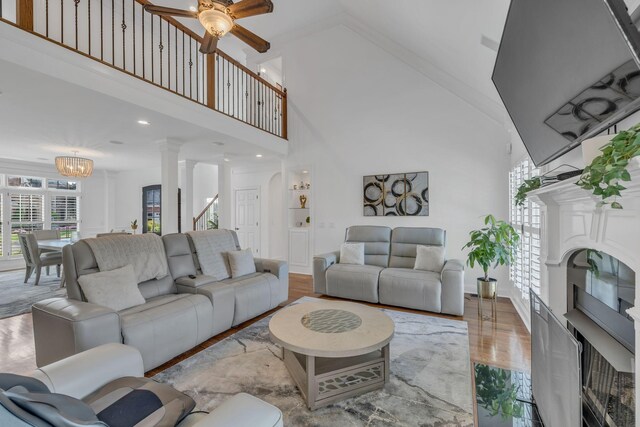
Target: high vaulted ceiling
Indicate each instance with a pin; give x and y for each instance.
(446, 33)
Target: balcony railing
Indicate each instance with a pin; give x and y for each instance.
(158, 50)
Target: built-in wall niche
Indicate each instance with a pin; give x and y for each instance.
(299, 208)
(300, 191)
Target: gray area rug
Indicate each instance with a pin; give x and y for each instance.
(430, 381)
(17, 297)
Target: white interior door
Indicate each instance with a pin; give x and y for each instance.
(247, 203)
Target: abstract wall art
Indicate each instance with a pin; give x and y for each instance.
(400, 194)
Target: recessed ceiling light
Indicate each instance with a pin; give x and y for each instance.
(143, 122)
(263, 70)
(227, 160)
(193, 8)
(114, 142)
(258, 155)
(305, 171)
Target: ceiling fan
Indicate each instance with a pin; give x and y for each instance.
(218, 18)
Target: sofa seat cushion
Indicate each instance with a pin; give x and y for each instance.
(254, 294)
(357, 282)
(166, 326)
(406, 287)
(133, 401)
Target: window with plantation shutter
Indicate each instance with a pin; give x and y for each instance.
(27, 214)
(525, 271)
(64, 214)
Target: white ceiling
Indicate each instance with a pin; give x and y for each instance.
(42, 117)
(446, 33)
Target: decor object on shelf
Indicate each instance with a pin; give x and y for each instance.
(74, 166)
(308, 220)
(218, 18)
(603, 176)
(134, 225)
(528, 185)
(303, 201)
(295, 186)
(404, 194)
(494, 244)
(308, 185)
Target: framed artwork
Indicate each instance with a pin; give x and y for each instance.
(400, 194)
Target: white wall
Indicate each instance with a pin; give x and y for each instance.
(205, 185)
(129, 186)
(369, 113)
(257, 177)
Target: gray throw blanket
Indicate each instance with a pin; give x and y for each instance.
(145, 252)
(212, 247)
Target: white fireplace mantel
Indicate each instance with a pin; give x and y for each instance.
(571, 220)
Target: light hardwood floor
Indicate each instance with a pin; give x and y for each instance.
(503, 342)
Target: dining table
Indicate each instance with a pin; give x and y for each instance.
(56, 245)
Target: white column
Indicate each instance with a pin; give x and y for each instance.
(225, 196)
(110, 198)
(186, 187)
(169, 149)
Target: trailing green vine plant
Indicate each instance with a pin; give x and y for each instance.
(603, 177)
(528, 185)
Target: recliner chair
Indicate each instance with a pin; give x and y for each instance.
(78, 378)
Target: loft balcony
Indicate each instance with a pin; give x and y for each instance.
(161, 51)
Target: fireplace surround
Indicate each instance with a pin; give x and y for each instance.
(572, 221)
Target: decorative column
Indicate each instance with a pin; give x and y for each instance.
(186, 188)
(169, 149)
(225, 198)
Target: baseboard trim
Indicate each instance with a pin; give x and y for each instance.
(524, 314)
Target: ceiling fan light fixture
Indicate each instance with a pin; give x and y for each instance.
(216, 21)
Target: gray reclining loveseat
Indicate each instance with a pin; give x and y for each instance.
(388, 274)
(179, 311)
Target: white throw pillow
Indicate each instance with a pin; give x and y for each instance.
(116, 289)
(429, 258)
(352, 253)
(241, 262)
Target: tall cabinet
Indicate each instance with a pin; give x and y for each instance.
(300, 199)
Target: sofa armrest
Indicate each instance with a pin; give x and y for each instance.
(453, 287)
(280, 269)
(320, 265)
(63, 327)
(187, 285)
(83, 373)
(241, 410)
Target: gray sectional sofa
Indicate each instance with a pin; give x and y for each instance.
(179, 312)
(388, 276)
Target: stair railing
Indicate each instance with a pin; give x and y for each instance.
(208, 218)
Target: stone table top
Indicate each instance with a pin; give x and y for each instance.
(331, 328)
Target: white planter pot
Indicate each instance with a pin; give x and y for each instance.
(591, 147)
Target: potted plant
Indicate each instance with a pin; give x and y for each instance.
(528, 185)
(603, 177)
(134, 225)
(496, 244)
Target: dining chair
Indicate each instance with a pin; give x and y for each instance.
(34, 260)
(47, 235)
(113, 233)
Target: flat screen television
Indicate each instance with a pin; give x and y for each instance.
(567, 70)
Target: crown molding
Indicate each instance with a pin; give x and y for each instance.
(485, 105)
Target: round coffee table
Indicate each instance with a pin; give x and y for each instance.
(333, 349)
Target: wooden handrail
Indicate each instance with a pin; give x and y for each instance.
(251, 100)
(204, 211)
(253, 74)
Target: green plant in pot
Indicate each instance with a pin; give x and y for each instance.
(606, 173)
(495, 244)
(134, 225)
(528, 185)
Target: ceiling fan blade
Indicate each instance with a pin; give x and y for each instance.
(209, 43)
(253, 40)
(170, 11)
(247, 8)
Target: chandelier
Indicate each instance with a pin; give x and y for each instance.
(74, 166)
